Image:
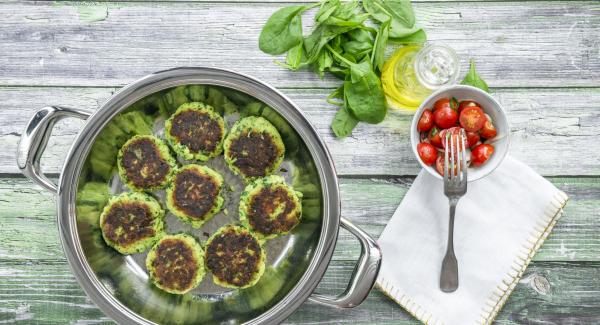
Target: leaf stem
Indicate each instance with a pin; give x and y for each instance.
(339, 56)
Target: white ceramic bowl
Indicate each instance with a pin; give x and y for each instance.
(490, 106)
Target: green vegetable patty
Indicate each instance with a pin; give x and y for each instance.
(253, 148)
(131, 222)
(145, 163)
(195, 131)
(175, 263)
(235, 257)
(270, 207)
(195, 194)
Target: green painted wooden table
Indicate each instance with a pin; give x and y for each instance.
(542, 59)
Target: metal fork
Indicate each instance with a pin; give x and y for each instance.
(455, 186)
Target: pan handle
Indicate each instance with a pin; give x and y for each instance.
(35, 138)
(364, 274)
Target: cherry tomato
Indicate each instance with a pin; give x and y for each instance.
(466, 103)
(426, 121)
(434, 137)
(488, 130)
(427, 152)
(441, 103)
(439, 165)
(445, 117)
(472, 118)
(481, 153)
(453, 130)
(472, 139)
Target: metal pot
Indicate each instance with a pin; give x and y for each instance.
(127, 298)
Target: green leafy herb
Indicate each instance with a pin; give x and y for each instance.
(343, 123)
(454, 103)
(377, 56)
(473, 79)
(324, 62)
(366, 99)
(346, 46)
(418, 37)
(399, 12)
(282, 31)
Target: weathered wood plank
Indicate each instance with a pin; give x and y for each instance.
(28, 230)
(550, 127)
(47, 293)
(516, 44)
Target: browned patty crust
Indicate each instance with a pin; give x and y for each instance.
(174, 266)
(196, 130)
(134, 217)
(264, 205)
(233, 257)
(254, 153)
(194, 193)
(143, 164)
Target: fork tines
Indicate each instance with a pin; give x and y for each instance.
(455, 157)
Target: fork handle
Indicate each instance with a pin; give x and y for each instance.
(449, 274)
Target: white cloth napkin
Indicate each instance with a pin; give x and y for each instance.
(500, 224)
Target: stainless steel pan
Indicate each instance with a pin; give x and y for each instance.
(297, 262)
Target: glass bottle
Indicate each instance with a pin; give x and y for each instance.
(413, 72)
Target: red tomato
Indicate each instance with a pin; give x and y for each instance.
(439, 165)
(434, 137)
(472, 118)
(455, 131)
(472, 139)
(445, 117)
(466, 103)
(488, 130)
(426, 121)
(481, 153)
(427, 152)
(441, 104)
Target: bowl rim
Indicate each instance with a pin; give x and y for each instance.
(414, 134)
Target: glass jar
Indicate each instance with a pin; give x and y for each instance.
(413, 72)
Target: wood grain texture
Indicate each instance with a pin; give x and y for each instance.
(549, 127)
(531, 44)
(28, 230)
(550, 293)
(540, 45)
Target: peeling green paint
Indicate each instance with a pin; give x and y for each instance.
(88, 11)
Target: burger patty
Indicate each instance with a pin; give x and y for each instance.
(234, 257)
(174, 266)
(194, 193)
(128, 222)
(272, 210)
(196, 130)
(143, 164)
(254, 153)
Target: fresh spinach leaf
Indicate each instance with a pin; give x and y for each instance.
(327, 8)
(314, 43)
(364, 35)
(418, 37)
(282, 31)
(324, 62)
(473, 79)
(293, 60)
(399, 12)
(378, 54)
(338, 93)
(365, 98)
(343, 123)
(357, 49)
